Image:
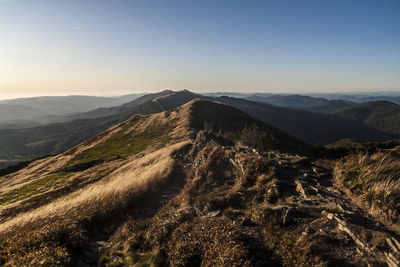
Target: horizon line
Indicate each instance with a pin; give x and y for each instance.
(355, 92)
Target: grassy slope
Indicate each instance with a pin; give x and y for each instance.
(122, 144)
(375, 179)
(91, 181)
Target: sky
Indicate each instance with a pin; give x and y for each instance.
(112, 47)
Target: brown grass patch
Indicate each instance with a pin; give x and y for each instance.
(373, 178)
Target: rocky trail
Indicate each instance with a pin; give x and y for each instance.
(342, 219)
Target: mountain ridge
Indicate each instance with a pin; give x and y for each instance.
(58, 137)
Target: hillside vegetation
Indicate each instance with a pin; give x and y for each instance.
(374, 179)
(381, 115)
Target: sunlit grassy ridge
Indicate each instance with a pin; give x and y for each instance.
(125, 143)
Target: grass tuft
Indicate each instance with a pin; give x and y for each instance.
(374, 178)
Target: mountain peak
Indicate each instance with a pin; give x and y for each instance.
(231, 125)
(167, 91)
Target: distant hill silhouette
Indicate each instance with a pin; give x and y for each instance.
(28, 112)
(382, 115)
(309, 126)
(101, 112)
(309, 103)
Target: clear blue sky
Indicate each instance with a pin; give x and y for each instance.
(115, 46)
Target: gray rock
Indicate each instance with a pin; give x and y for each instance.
(213, 214)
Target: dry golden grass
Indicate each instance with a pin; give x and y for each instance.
(109, 193)
(140, 134)
(181, 234)
(50, 234)
(373, 178)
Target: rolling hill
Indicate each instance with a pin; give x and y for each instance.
(58, 137)
(381, 115)
(393, 97)
(9, 113)
(309, 126)
(101, 112)
(204, 184)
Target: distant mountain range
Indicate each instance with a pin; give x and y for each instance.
(309, 103)
(54, 138)
(309, 126)
(361, 97)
